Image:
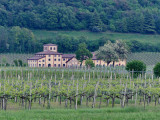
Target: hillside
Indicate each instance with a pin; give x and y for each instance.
(136, 16)
(150, 39)
(136, 42)
(68, 23)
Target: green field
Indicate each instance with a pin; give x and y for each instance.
(129, 113)
(154, 39)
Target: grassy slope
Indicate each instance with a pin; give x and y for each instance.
(129, 113)
(154, 39)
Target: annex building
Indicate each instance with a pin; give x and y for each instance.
(50, 57)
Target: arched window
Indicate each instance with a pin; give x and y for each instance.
(49, 65)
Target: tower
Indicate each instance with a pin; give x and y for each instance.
(50, 47)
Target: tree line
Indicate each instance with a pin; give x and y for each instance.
(136, 16)
(22, 40)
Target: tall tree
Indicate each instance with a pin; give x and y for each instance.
(149, 23)
(3, 39)
(107, 53)
(121, 50)
(83, 53)
(96, 25)
(21, 40)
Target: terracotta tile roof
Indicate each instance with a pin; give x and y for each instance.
(49, 44)
(68, 55)
(36, 58)
(69, 60)
(48, 53)
(73, 55)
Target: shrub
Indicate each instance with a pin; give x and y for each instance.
(156, 70)
(7, 64)
(20, 63)
(137, 66)
(15, 62)
(89, 63)
(25, 65)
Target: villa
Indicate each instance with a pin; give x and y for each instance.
(50, 57)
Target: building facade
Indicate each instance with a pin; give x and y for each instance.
(51, 58)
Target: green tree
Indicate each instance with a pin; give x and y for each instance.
(107, 53)
(83, 53)
(121, 50)
(156, 70)
(149, 23)
(51, 18)
(20, 63)
(96, 25)
(89, 63)
(138, 67)
(21, 40)
(3, 40)
(121, 25)
(16, 63)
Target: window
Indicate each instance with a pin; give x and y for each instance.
(59, 65)
(43, 65)
(49, 65)
(54, 65)
(55, 55)
(50, 48)
(59, 60)
(43, 60)
(59, 55)
(49, 59)
(54, 48)
(45, 48)
(39, 65)
(64, 59)
(54, 59)
(63, 65)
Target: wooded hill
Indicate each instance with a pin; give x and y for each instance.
(136, 16)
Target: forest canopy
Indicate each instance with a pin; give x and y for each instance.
(136, 16)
